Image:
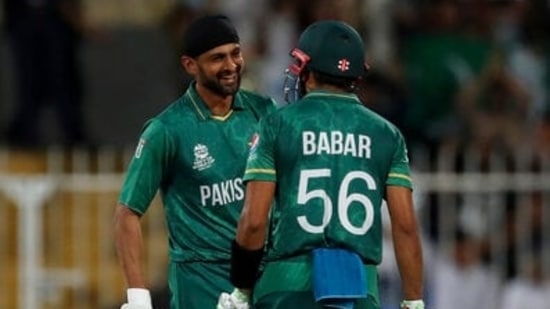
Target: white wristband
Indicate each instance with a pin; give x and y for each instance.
(138, 296)
(412, 304)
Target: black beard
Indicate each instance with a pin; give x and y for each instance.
(216, 87)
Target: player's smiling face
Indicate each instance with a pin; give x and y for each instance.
(219, 69)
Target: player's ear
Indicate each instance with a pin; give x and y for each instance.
(189, 65)
(308, 80)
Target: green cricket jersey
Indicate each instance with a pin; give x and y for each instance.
(196, 160)
(332, 159)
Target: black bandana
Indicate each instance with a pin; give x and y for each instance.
(208, 32)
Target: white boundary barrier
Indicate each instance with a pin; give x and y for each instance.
(30, 194)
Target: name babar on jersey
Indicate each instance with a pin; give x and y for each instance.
(336, 143)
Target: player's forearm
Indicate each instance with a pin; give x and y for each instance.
(408, 252)
(251, 231)
(130, 259)
(251, 235)
(129, 245)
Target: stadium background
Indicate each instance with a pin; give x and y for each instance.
(467, 81)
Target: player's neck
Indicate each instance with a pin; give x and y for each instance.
(312, 84)
(218, 105)
(329, 88)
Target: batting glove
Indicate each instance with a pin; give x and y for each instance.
(235, 300)
(412, 304)
(138, 299)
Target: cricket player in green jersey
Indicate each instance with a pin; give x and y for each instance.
(328, 162)
(194, 153)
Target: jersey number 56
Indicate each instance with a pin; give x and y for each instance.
(343, 203)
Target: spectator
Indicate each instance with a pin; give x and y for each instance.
(463, 271)
(280, 34)
(437, 62)
(45, 37)
(529, 290)
(493, 106)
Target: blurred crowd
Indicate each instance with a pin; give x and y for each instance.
(451, 74)
(455, 76)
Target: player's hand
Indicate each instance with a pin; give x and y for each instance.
(412, 304)
(235, 300)
(138, 299)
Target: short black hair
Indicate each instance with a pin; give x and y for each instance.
(346, 83)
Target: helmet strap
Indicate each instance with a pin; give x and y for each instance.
(294, 86)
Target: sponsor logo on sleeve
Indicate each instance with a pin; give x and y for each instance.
(139, 148)
(254, 142)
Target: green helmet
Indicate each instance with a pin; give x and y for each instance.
(332, 47)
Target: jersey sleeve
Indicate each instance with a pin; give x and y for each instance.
(148, 167)
(400, 174)
(261, 163)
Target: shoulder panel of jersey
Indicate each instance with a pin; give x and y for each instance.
(260, 104)
(174, 112)
(399, 173)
